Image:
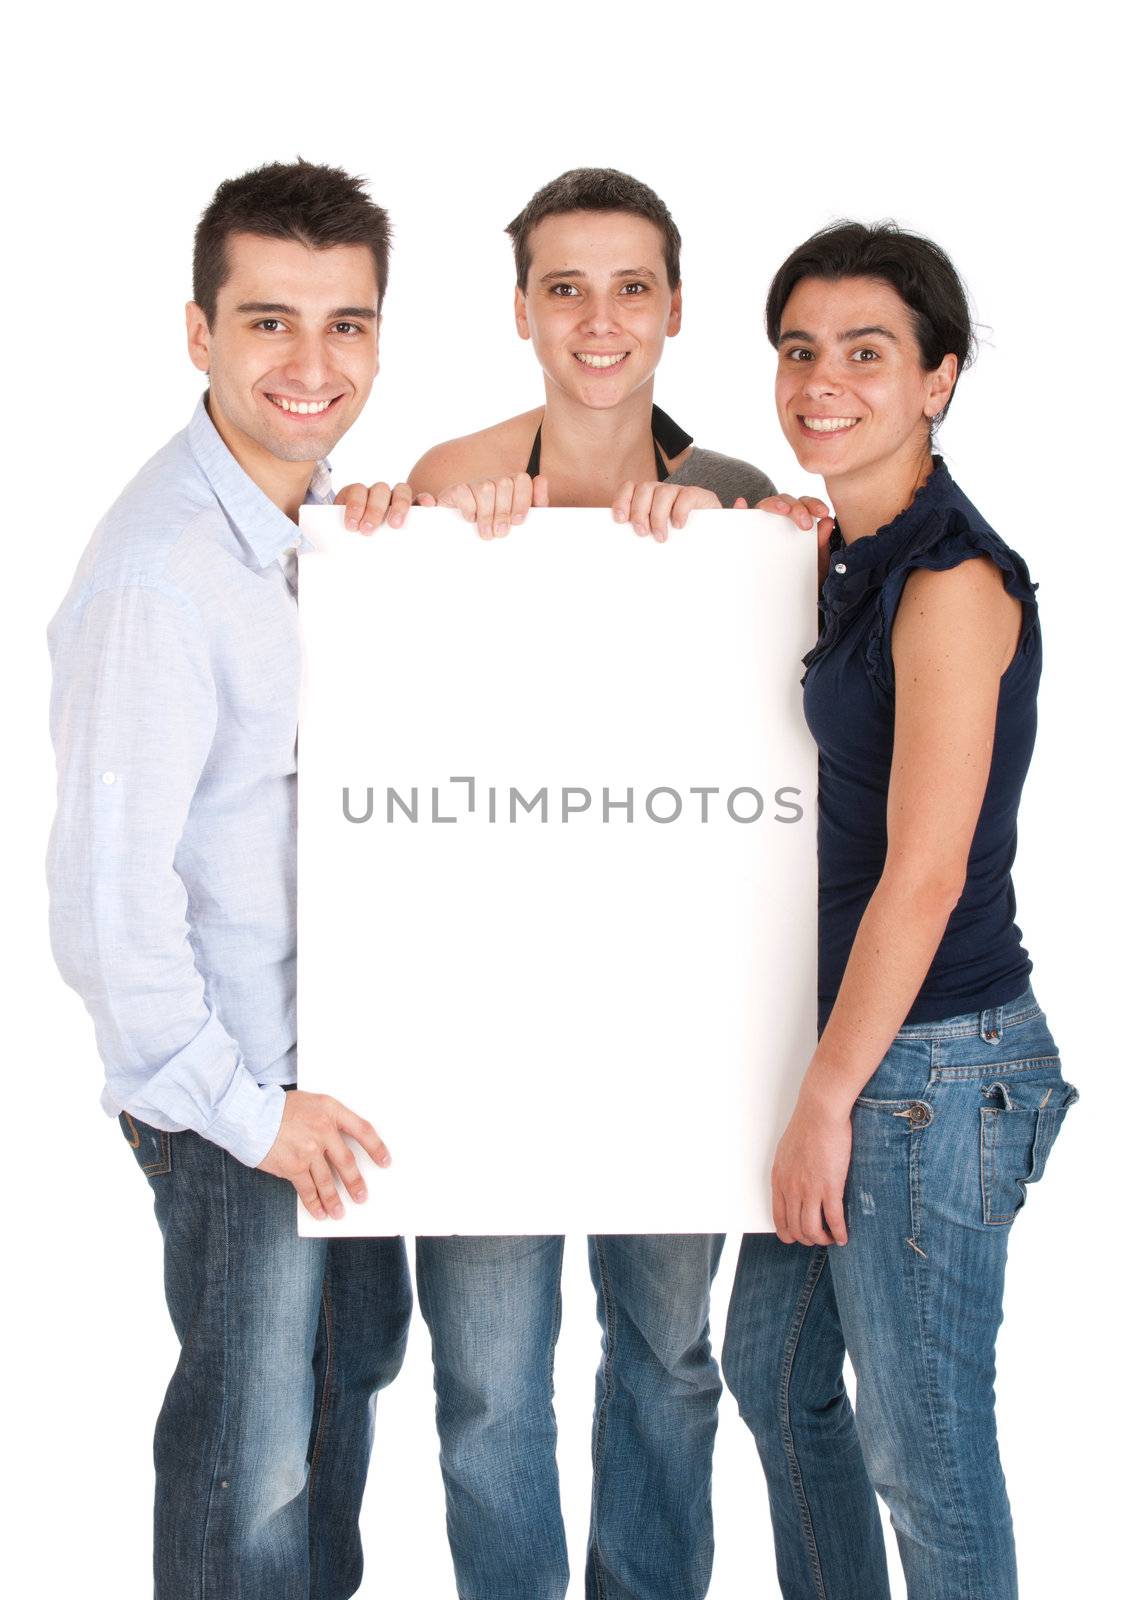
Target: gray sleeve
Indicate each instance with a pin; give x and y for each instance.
(726, 476)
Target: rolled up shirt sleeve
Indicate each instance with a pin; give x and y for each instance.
(134, 713)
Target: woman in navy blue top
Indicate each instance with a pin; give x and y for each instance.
(935, 1092)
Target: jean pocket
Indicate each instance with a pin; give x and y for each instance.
(1018, 1127)
(151, 1146)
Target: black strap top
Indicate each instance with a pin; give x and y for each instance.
(663, 432)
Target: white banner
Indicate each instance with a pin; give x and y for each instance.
(557, 871)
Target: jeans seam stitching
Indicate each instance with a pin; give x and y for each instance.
(325, 1393)
(914, 1265)
(817, 1265)
(158, 1169)
(602, 1414)
(963, 1030)
(224, 1371)
(973, 1070)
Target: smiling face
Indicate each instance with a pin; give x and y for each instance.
(852, 392)
(293, 349)
(596, 303)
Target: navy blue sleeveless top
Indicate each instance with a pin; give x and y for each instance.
(850, 708)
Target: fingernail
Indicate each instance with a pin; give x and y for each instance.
(366, 527)
(783, 505)
(385, 1159)
(396, 521)
(360, 1195)
(352, 522)
(621, 516)
(500, 528)
(337, 1211)
(518, 518)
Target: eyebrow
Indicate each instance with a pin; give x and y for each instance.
(621, 272)
(271, 308)
(850, 333)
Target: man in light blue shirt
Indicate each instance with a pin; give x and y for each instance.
(172, 871)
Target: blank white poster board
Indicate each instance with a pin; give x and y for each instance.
(557, 866)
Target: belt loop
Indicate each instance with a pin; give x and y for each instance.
(991, 1024)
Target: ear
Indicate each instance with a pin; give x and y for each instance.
(939, 385)
(520, 316)
(675, 314)
(197, 336)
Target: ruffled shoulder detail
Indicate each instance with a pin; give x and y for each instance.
(961, 535)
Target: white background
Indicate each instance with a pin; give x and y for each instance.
(994, 129)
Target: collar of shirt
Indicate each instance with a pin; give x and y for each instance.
(861, 568)
(261, 526)
(857, 568)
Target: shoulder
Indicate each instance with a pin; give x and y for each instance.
(956, 540)
(141, 540)
(962, 612)
(489, 453)
(727, 476)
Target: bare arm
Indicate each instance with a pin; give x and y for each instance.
(954, 636)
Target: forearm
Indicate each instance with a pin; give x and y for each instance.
(898, 936)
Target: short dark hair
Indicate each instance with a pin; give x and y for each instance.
(919, 271)
(316, 205)
(594, 189)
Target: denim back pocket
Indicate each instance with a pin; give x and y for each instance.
(151, 1146)
(1019, 1123)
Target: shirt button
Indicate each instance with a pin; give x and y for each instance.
(840, 567)
(108, 777)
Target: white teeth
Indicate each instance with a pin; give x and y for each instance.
(828, 424)
(599, 361)
(300, 408)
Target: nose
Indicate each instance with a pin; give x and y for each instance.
(601, 317)
(822, 378)
(307, 366)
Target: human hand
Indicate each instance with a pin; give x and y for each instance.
(367, 509)
(311, 1143)
(651, 507)
(805, 512)
(495, 504)
(810, 1168)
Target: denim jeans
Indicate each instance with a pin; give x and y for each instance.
(263, 1440)
(493, 1309)
(958, 1118)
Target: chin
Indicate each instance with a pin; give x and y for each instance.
(310, 449)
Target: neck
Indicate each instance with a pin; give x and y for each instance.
(595, 451)
(863, 503)
(284, 482)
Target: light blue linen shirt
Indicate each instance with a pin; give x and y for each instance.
(172, 863)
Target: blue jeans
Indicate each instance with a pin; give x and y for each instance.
(958, 1118)
(493, 1309)
(263, 1440)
